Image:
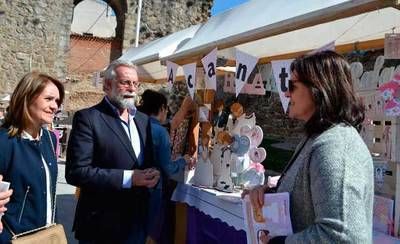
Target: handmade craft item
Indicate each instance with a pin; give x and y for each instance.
(203, 175)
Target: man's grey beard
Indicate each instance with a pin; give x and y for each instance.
(123, 103)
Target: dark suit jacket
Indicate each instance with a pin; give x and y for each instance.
(98, 153)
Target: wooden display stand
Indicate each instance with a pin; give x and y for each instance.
(382, 136)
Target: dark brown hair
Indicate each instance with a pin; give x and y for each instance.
(328, 76)
(152, 102)
(28, 88)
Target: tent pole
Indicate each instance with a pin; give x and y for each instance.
(138, 23)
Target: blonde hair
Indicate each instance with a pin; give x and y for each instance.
(28, 89)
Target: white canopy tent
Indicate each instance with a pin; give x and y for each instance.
(353, 31)
(261, 20)
(270, 29)
(147, 56)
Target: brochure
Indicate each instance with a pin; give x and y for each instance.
(272, 219)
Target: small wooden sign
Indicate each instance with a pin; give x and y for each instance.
(392, 46)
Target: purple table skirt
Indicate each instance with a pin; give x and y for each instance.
(201, 229)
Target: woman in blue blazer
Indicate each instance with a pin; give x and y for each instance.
(154, 104)
(27, 156)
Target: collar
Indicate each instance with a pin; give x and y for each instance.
(26, 135)
(153, 119)
(132, 111)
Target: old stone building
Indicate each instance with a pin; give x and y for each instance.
(35, 35)
(89, 54)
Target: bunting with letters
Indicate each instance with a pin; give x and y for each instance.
(281, 70)
(210, 64)
(190, 75)
(245, 63)
(171, 73)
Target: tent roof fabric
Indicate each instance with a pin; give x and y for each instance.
(364, 27)
(258, 19)
(164, 46)
(270, 28)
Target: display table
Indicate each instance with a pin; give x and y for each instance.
(210, 217)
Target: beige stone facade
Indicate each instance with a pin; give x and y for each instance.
(34, 35)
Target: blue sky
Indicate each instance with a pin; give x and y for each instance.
(222, 5)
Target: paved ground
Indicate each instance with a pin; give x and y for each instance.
(66, 203)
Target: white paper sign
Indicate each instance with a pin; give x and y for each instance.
(171, 73)
(203, 114)
(392, 44)
(245, 63)
(329, 46)
(210, 64)
(190, 75)
(281, 70)
(96, 79)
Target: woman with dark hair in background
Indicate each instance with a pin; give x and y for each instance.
(330, 176)
(27, 156)
(154, 104)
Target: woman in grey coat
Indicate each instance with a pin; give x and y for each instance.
(330, 176)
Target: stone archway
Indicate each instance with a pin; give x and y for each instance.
(120, 8)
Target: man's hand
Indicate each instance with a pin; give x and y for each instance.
(153, 176)
(147, 177)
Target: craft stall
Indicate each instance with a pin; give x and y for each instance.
(248, 50)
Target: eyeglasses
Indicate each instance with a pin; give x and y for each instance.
(128, 83)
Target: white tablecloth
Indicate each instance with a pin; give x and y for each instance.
(212, 203)
(380, 238)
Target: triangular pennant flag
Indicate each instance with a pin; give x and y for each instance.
(171, 73)
(190, 74)
(329, 46)
(245, 63)
(281, 70)
(210, 67)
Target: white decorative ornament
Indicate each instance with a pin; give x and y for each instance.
(203, 174)
(251, 178)
(224, 182)
(257, 155)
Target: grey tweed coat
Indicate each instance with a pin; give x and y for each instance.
(331, 186)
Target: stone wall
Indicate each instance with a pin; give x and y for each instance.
(268, 108)
(269, 115)
(162, 17)
(34, 35)
(158, 18)
(268, 111)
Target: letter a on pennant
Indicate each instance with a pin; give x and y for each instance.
(171, 73)
(209, 63)
(245, 63)
(190, 74)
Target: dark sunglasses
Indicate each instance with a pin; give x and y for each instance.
(290, 86)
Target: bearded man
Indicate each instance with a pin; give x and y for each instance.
(109, 157)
